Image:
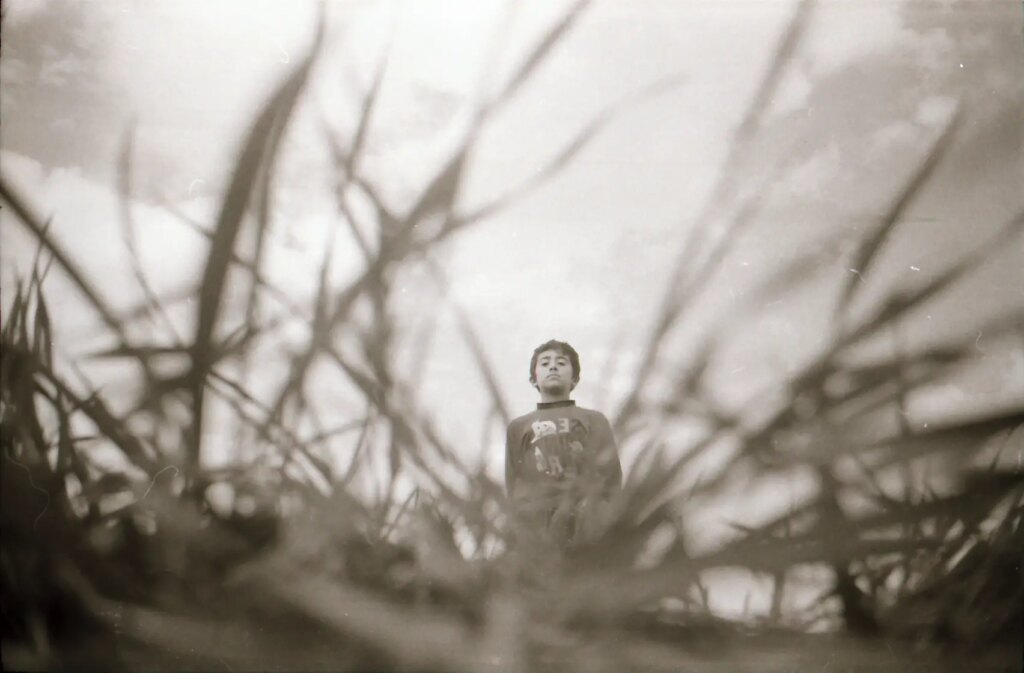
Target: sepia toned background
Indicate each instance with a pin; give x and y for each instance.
(702, 197)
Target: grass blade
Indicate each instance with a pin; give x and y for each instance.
(565, 156)
(261, 144)
(869, 248)
(40, 231)
(901, 302)
(539, 53)
(128, 226)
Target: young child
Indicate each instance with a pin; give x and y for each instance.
(561, 463)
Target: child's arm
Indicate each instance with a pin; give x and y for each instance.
(609, 469)
(511, 466)
(606, 482)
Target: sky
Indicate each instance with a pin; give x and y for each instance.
(586, 256)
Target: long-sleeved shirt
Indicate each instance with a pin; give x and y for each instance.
(559, 459)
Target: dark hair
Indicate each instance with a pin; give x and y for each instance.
(560, 347)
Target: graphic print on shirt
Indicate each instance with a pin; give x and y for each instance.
(558, 446)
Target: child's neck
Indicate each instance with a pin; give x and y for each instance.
(548, 398)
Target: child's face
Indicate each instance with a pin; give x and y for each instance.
(554, 373)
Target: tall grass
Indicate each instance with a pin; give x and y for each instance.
(174, 564)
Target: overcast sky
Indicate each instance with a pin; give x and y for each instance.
(584, 258)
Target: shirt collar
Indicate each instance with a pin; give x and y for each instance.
(554, 405)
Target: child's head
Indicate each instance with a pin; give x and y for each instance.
(550, 357)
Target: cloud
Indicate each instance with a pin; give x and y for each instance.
(841, 33)
(86, 221)
(27, 168)
(13, 72)
(794, 91)
(61, 72)
(899, 133)
(935, 111)
(809, 177)
(930, 114)
(17, 12)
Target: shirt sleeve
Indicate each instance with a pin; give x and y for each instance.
(511, 463)
(608, 466)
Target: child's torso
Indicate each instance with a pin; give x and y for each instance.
(554, 444)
